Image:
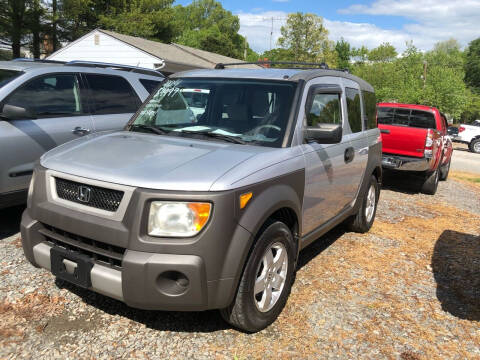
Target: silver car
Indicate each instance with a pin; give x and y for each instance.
(210, 214)
(45, 104)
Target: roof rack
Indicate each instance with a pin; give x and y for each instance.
(113, 66)
(39, 60)
(290, 65)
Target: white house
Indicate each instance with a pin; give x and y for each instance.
(111, 47)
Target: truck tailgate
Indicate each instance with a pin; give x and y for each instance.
(403, 140)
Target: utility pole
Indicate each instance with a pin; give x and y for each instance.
(271, 29)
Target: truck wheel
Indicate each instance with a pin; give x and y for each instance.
(444, 170)
(474, 146)
(430, 184)
(363, 220)
(266, 280)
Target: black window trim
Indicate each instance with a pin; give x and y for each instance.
(84, 96)
(91, 101)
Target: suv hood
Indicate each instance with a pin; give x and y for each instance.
(149, 161)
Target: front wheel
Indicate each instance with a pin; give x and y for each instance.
(266, 281)
(362, 221)
(430, 184)
(474, 146)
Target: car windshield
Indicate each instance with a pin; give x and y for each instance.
(8, 75)
(242, 111)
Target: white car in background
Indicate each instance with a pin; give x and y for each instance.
(470, 134)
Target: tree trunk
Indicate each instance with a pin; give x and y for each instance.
(17, 19)
(54, 26)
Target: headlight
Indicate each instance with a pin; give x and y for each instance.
(30, 190)
(177, 219)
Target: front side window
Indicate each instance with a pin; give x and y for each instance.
(325, 109)
(8, 75)
(50, 96)
(354, 109)
(111, 95)
(243, 111)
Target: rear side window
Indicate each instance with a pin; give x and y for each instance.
(149, 85)
(406, 117)
(111, 94)
(354, 109)
(370, 102)
(50, 96)
(8, 75)
(325, 110)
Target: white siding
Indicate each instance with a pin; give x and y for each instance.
(109, 50)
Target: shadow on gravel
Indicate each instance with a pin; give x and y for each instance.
(10, 221)
(198, 321)
(456, 268)
(401, 182)
(319, 245)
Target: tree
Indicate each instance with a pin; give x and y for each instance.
(12, 23)
(307, 39)
(344, 54)
(151, 19)
(206, 25)
(447, 46)
(360, 55)
(472, 65)
(383, 53)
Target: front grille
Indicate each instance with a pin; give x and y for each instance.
(95, 196)
(99, 252)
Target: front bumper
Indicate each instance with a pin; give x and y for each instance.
(189, 274)
(406, 163)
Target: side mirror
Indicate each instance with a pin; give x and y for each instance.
(324, 133)
(12, 112)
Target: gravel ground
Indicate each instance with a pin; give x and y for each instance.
(409, 289)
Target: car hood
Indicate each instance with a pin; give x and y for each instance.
(149, 161)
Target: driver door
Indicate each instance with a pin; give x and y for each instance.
(60, 114)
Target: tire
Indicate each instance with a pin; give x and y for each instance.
(474, 146)
(362, 221)
(251, 312)
(430, 184)
(444, 170)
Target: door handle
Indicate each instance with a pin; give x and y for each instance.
(349, 154)
(80, 131)
(385, 131)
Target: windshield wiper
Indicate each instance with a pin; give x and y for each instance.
(215, 135)
(150, 128)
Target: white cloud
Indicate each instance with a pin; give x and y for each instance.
(431, 21)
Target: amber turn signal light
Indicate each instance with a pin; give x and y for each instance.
(244, 199)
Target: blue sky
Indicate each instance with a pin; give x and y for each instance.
(367, 22)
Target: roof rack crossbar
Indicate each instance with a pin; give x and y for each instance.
(129, 68)
(39, 60)
(292, 65)
(263, 63)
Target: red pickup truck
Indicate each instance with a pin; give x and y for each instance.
(414, 138)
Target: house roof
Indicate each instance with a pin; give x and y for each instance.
(177, 57)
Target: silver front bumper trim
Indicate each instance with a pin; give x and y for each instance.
(105, 280)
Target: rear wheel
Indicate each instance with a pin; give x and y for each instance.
(363, 220)
(430, 184)
(445, 169)
(474, 146)
(266, 281)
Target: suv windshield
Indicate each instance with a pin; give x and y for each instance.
(242, 111)
(8, 75)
